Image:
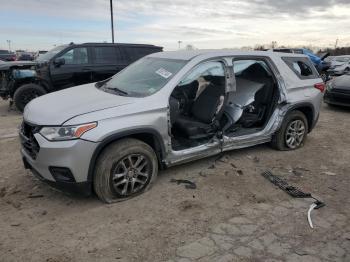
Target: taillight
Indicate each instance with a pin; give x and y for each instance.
(320, 86)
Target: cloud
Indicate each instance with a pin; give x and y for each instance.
(203, 23)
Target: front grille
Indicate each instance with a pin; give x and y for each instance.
(341, 91)
(28, 140)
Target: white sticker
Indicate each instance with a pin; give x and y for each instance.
(163, 73)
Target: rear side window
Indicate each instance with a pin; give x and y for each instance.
(301, 66)
(105, 55)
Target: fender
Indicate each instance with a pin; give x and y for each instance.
(300, 106)
(159, 145)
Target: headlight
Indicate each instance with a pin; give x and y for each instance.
(60, 133)
(329, 85)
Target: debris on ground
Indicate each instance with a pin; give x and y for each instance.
(211, 166)
(188, 184)
(328, 173)
(35, 196)
(2, 191)
(239, 172)
(294, 192)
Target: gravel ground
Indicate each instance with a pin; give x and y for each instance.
(234, 214)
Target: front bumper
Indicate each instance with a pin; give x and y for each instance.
(73, 155)
(337, 98)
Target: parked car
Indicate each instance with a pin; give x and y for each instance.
(14, 74)
(338, 91)
(25, 57)
(165, 109)
(319, 61)
(40, 52)
(340, 65)
(75, 64)
(6, 55)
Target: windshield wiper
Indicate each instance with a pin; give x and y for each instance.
(115, 89)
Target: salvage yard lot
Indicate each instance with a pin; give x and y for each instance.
(233, 215)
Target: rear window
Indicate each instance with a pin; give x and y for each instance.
(302, 67)
(105, 55)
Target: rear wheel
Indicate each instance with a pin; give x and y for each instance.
(26, 93)
(292, 133)
(125, 169)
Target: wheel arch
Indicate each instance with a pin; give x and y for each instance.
(308, 110)
(147, 135)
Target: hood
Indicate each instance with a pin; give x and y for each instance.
(7, 65)
(342, 82)
(58, 107)
(336, 63)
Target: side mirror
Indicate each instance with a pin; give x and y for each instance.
(59, 61)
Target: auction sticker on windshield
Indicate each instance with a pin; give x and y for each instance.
(163, 73)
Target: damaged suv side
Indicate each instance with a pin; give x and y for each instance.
(165, 109)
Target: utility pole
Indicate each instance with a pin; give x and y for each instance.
(9, 43)
(179, 42)
(111, 6)
(336, 43)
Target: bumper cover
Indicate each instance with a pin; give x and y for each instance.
(81, 188)
(72, 155)
(337, 98)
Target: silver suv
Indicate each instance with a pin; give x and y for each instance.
(112, 137)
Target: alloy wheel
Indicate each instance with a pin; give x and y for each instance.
(295, 133)
(131, 174)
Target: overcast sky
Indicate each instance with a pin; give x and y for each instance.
(41, 24)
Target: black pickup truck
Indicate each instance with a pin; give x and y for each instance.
(71, 65)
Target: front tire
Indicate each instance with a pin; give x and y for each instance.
(125, 169)
(293, 132)
(24, 94)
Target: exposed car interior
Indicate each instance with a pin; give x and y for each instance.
(200, 107)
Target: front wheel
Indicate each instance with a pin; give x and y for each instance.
(26, 93)
(124, 169)
(292, 133)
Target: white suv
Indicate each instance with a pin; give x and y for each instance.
(111, 137)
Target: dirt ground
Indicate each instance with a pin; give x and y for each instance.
(234, 214)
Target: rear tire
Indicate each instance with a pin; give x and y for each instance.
(124, 169)
(24, 94)
(293, 132)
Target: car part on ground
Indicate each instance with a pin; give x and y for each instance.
(338, 91)
(294, 192)
(166, 109)
(188, 184)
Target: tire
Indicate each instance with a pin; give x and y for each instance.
(24, 94)
(283, 138)
(114, 161)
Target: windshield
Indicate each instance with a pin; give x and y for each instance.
(343, 59)
(47, 56)
(144, 77)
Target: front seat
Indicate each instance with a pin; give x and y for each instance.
(204, 114)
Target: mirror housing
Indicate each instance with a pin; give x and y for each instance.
(59, 61)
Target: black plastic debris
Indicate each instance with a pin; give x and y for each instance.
(294, 192)
(188, 184)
